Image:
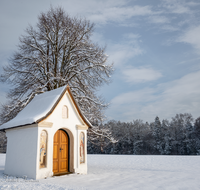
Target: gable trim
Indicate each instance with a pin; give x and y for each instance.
(75, 105)
(78, 108)
(54, 106)
(82, 127)
(45, 124)
(75, 108)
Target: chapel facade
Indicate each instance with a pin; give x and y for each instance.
(48, 137)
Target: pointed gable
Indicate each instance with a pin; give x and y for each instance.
(41, 107)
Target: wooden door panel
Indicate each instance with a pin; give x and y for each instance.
(63, 166)
(55, 167)
(55, 151)
(64, 151)
(60, 152)
(63, 137)
(56, 137)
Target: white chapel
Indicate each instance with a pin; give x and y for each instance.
(48, 137)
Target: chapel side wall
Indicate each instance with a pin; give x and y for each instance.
(21, 152)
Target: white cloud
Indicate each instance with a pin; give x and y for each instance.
(192, 37)
(132, 37)
(118, 13)
(189, 61)
(159, 19)
(102, 12)
(98, 38)
(121, 53)
(179, 9)
(169, 28)
(124, 50)
(178, 96)
(144, 95)
(140, 75)
(177, 6)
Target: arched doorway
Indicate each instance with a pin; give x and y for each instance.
(61, 152)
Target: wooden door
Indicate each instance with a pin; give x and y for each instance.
(60, 152)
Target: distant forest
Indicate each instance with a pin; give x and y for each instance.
(180, 136)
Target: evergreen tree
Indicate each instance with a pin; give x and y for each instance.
(157, 134)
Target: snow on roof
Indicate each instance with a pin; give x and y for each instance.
(34, 111)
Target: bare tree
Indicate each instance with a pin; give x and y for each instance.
(58, 51)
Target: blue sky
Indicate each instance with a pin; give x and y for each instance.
(155, 47)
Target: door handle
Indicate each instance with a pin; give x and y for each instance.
(60, 149)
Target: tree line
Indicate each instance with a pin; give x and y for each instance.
(180, 136)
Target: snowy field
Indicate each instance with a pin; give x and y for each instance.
(119, 172)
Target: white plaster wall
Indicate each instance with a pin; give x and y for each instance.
(21, 152)
(70, 124)
(82, 167)
(44, 172)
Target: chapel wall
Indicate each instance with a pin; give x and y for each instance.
(21, 152)
(69, 125)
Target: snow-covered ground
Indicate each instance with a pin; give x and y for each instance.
(119, 172)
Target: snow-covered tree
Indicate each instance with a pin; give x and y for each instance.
(178, 137)
(197, 126)
(56, 52)
(196, 135)
(181, 125)
(166, 149)
(157, 134)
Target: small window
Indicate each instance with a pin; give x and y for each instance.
(82, 148)
(43, 149)
(64, 112)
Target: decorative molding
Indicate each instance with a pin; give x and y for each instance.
(45, 124)
(65, 112)
(82, 127)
